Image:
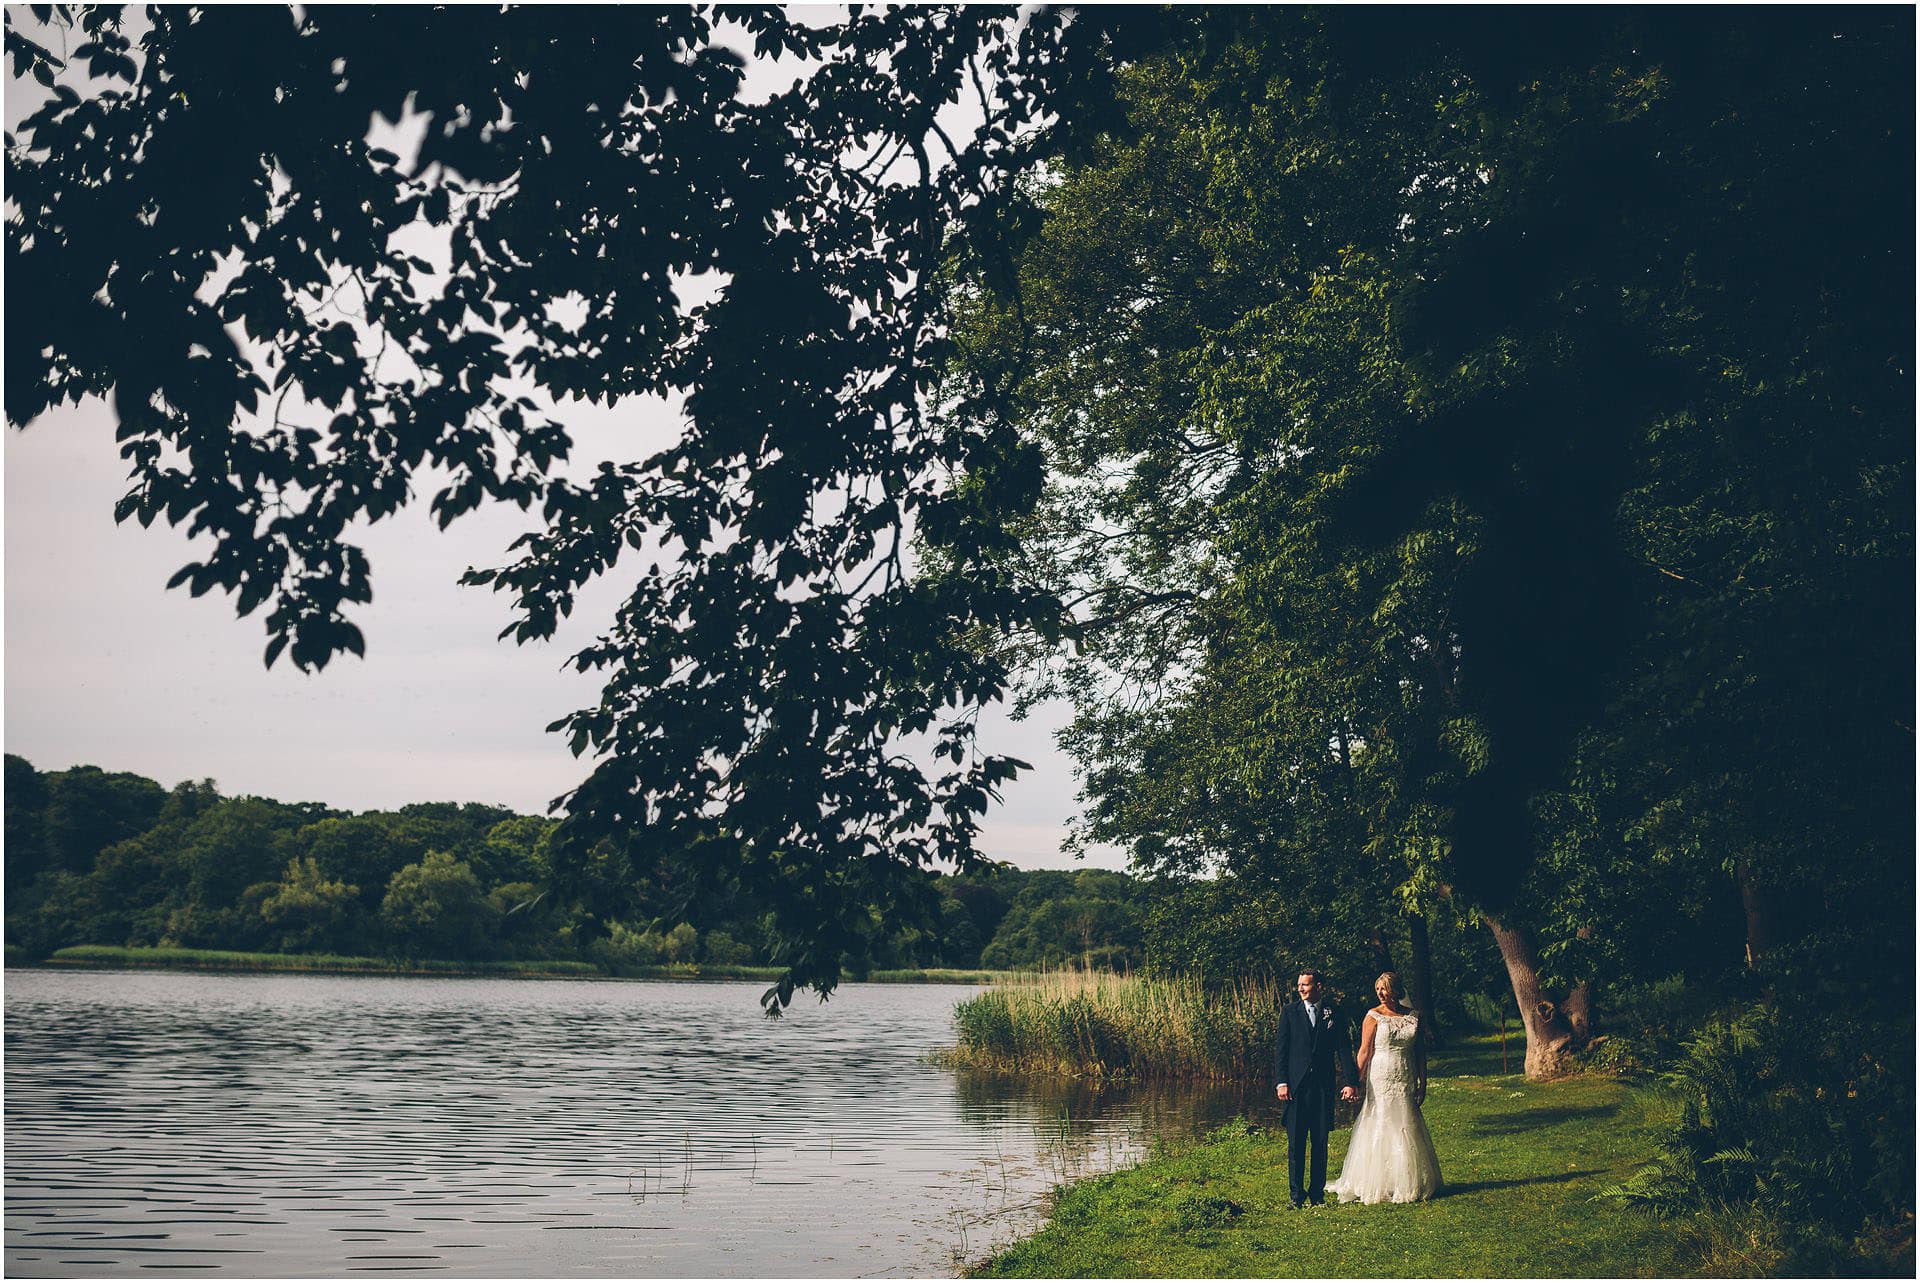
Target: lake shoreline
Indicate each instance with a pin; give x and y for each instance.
(107, 958)
(1515, 1153)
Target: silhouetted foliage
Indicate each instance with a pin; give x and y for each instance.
(89, 809)
(1554, 269)
(26, 833)
(1460, 467)
(198, 189)
(1470, 477)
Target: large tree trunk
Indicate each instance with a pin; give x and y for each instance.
(1763, 927)
(1579, 1012)
(1550, 1038)
(1420, 975)
(1579, 1003)
(1382, 957)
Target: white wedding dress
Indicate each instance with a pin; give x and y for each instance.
(1390, 1157)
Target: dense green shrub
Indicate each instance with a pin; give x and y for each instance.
(307, 910)
(721, 949)
(1089, 918)
(682, 943)
(1797, 1118)
(438, 909)
(626, 945)
(1646, 1027)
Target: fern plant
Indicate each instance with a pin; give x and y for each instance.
(1789, 1115)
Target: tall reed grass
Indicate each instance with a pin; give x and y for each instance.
(1099, 1024)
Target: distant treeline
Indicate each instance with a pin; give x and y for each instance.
(97, 857)
(111, 858)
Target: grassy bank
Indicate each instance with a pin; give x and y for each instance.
(936, 976)
(722, 971)
(1523, 1163)
(93, 955)
(1097, 1024)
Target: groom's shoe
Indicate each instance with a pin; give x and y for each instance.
(1296, 1204)
(1318, 1202)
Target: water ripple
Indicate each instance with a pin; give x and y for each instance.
(308, 1125)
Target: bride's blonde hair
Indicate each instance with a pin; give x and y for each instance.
(1391, 979)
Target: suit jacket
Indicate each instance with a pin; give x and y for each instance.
(1309, 1059)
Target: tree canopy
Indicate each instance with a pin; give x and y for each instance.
(1475, 483)
(297, 328)
(1467, 443)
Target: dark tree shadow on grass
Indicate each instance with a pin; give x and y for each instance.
(1476, 1053)
(1557, 1178)
(1530, 1119)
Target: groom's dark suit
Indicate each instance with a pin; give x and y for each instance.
(1315, 1060)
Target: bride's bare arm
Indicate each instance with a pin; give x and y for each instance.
(1365, 1057)
(1420, 1068)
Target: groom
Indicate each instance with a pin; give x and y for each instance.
(1311, 1061)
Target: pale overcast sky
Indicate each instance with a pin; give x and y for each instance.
(104, 666)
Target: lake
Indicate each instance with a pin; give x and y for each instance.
(319, 1125)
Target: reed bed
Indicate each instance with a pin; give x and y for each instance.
(691, 971)
(1098, 1024)
(736, 971)
(935, 976)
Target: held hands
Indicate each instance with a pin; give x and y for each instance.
(1346, 1093)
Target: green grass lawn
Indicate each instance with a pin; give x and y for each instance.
(1522, 1161)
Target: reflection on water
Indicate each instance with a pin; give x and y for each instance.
(289, 1125)
(985, 1097)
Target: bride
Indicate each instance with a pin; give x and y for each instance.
(1390, 1158)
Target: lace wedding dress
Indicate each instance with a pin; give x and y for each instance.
(1390, 1157)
